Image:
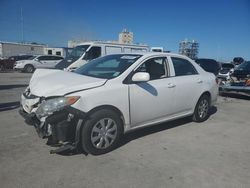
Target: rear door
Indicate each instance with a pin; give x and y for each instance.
(43, 61)
(188, 85)
(49, 61)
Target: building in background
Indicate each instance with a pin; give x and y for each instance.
(61, 51)
(126, 37)
(74, 43)
(8, 49)
(189, 48)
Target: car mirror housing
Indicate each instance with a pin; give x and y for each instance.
(141, 77)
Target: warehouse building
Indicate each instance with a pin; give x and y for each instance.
(8, 49)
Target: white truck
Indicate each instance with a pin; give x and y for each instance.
(87, 51)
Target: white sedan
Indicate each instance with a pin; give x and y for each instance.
(40, 61)
(94, 106)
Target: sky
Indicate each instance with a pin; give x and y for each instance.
(222, 27)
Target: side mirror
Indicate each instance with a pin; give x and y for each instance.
(141, 77)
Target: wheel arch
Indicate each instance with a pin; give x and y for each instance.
(204, 93)
(108, 107)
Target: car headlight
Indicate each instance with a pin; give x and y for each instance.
(50, 106)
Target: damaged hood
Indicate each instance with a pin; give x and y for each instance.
(51, 82)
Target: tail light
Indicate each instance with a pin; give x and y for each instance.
(217, 80)
(247, 82)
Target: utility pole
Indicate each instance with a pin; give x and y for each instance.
(22, 24)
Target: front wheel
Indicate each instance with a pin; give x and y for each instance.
(201, 112)
(101, 132)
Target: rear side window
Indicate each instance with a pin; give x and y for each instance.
(44, 58)
(183, 67)
(56, 58)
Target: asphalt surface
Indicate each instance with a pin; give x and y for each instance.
(178, 154)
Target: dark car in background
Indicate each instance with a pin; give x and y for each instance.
(238, 60)
(242, 71)
(239, 82)
(8, 63)
(209, 65)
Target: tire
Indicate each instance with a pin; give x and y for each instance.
(29, 68)
(101, 132)
(2, 68)
(201, 112)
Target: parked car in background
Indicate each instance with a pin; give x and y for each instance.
(237, 61)
(149, 89)
(242, 71)
(8, 64)
(239, 82)
(226, 70)
(209, 65)
(40, 61)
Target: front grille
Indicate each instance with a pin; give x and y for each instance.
(28, 95)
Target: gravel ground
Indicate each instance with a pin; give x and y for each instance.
(180, 153)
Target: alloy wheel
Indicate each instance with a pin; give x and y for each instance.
(203, 108)
(104, 133)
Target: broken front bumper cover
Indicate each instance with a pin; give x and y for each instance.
(243, 90)
(63, 126)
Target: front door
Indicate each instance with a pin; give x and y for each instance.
(152, 100)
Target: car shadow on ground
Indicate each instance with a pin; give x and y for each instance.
(145, 131)
(236, 96)
(9, 106)
(159, 127)
(5, 87)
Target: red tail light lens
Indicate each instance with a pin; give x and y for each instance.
(247, 82)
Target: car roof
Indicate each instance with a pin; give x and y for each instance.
(147, 54)
(48, 55)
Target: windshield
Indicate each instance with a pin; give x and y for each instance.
(75, 54)
(244, 66)
(227, 66)
(109, 66)
(32, 57)
(78, 51)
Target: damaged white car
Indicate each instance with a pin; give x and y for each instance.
(94, 106)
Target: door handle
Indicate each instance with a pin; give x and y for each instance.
(199, 81)
(170, 85)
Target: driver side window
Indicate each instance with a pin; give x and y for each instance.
(93, 53)
(156, 67)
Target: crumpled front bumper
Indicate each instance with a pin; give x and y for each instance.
(30, 119)
(61, 125)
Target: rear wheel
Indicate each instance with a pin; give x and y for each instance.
(1, 67)
(101, 132)
(201, 112)
(29, 68)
